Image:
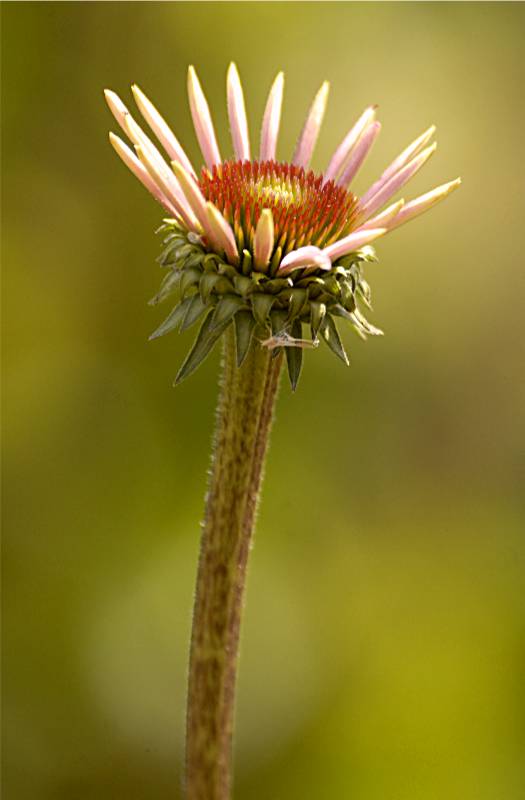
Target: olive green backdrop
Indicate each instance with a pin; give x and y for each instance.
(383, 640)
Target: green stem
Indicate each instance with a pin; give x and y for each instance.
(244, 418)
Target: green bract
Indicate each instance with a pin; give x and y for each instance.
(273, 309)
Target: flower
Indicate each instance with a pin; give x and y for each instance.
(259, 241)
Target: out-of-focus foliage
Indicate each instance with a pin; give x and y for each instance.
(383, 639)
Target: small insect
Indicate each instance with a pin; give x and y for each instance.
(283, 339)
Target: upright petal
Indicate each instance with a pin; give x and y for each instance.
(137, 168)
(308, 256)
(423, 203)
(395, 183)
(271, 120)
(200, 113)
(161, 129)
(359, 153)
(349, 142)
(139, 139)
(263, 240)
(385, 218)
(308, 138)
(222, 233)
(194, 197)
(399, 162)
(167, 183)
(117, 108)
(352, 242)
(237, 115)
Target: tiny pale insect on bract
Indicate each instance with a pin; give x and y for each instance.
(283, 339)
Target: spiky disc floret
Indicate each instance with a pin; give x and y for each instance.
(305, 209)
(277, 306)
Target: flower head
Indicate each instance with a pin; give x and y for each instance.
(254, 241)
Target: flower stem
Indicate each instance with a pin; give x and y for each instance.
(244, 417)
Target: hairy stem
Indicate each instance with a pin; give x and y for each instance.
(244, 418)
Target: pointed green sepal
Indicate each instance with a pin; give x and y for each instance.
(244, 327)
(202, 346)
(173, 320)
(195, 308)
(261, 306)
(167, 287)
(347, 295)
(243, 285)
(365, 293)
(212, 281)
(298, 298)
(294, 355)
(279, 319)
(317, 315)
(331, 336)
(189, 278)
(226, 307)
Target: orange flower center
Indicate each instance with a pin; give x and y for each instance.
(305, 210)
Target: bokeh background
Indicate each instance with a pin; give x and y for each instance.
(383, 642)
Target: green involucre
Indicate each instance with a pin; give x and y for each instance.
(263, 304)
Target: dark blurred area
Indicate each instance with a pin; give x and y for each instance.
(383, 646)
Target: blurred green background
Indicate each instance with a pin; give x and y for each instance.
(384, 643)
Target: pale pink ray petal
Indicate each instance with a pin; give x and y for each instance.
(359, 153)
(352, 242)
(237, 115)
(263, 240)
(395, 183)
(167, 182)
(409, 152)
(161, 129)
(139, 138)
(308, 256)
(222, 233)
(194, 197)
(137, 168)
(308, 138)
(117, 108)
(421, 204)
(345, 148)
(271, 120)
(383, 219)
(201, 116)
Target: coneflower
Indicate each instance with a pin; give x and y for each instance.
(268, 253)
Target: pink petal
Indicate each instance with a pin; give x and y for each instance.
(200, 113)
(423, 203)
(117, 108)
(308, 138)
(237, 115)
(359, 153)
(395, 183)
(399, 162)
(308, 256)
(194, 197)
(384, 219)
(263, 240)
(345, 148)
(167, 183)
(222, 234)
(271, 120)
(132, 162)
(352, 242)
(161, 129)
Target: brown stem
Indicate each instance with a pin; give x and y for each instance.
(244, 420)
